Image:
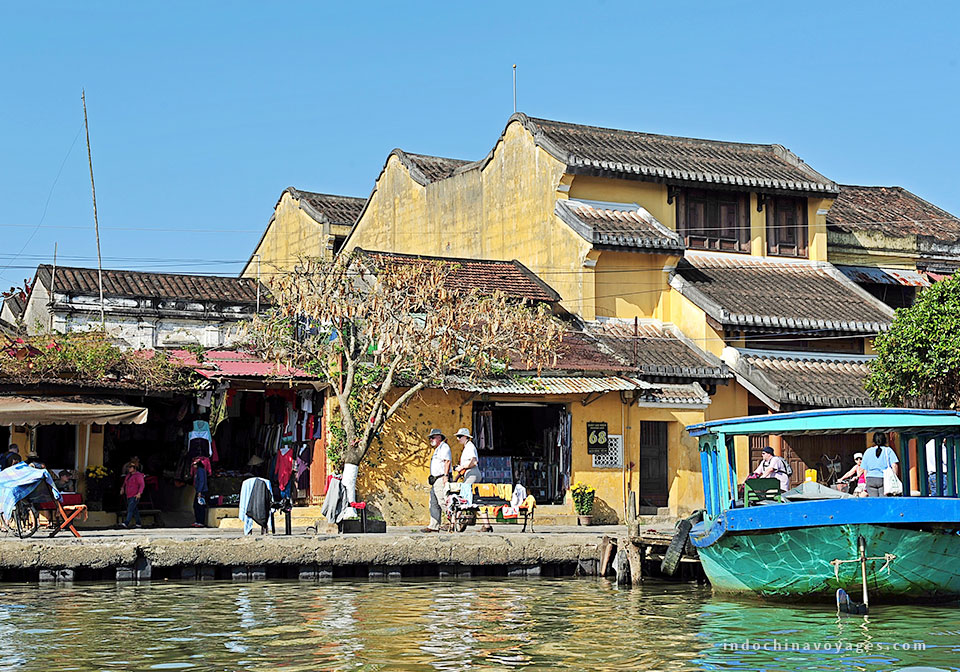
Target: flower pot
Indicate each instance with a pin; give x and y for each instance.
(585, 520)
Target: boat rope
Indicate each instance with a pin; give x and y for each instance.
(887, 559)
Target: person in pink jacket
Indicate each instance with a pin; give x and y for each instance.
(133, 485)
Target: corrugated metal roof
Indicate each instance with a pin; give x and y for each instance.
(884, 276)
(545, 385)
(689, 394)
(235, 364)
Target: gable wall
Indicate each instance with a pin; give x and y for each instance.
(503, 210)
(291, 233)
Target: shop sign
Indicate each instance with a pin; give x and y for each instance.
(597, 438)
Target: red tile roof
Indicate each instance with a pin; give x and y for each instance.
(341, 210)
(235, 364)
(893, 211)
(486, 275)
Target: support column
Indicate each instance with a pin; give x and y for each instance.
(938, 453)
(905, 463)
(922, 467)
(951, 449)
(724, 472)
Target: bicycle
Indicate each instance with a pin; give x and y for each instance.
(25, 520)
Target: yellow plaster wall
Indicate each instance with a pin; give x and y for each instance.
(397, 485)
(630, 284)
(291, 234)
(649, 195)
(817, 227)
(502, 210)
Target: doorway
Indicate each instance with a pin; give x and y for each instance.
(653, 464)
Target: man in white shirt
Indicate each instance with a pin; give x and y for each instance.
(773, 466)
(469, 464)
(439, 468)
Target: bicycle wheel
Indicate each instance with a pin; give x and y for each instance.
(26, 520)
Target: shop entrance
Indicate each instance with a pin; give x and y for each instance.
(526, 443)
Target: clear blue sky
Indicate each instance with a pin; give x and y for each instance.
(201, 113)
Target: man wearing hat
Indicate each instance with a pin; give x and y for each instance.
(469, 463)
(773, 466)
(439, 468)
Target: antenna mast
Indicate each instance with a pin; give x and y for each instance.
(514, 88)
(96, 223)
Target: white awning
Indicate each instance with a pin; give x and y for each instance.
(68, 411)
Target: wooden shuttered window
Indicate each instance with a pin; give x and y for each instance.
(714, 220)
(787, 226)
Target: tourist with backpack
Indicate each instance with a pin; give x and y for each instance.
(773, 466)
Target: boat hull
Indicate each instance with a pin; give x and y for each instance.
(746, 551)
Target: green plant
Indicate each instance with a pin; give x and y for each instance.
(583, 497)
(918, 359)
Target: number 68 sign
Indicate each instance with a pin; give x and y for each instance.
(596, 438)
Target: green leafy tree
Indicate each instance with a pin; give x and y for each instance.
(380, 330)
(918, 359)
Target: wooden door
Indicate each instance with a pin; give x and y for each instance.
(653, 463)
(812, 452)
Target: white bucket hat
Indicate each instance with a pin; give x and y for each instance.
(463, 431)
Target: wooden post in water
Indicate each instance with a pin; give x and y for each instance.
(862, 547)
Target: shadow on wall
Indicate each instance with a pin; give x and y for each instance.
(397, 485)
(603, 514)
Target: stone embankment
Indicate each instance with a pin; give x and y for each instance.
(301, 556)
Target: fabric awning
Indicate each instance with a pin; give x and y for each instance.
(68, 411)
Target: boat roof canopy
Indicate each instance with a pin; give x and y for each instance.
(909, 421)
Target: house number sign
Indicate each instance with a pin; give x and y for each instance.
(596, 438)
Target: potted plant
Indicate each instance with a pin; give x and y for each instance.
(96, 476)
(583, 497)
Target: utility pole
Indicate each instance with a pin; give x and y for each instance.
(96, 223)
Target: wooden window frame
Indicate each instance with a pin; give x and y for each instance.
(711, 233)
(779, 242)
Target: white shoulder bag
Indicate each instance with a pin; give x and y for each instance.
(891, 484)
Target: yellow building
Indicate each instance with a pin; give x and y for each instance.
(303, 224)
(688, 262)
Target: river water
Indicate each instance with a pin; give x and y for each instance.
(479, 624)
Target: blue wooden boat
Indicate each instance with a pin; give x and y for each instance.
(892, 548)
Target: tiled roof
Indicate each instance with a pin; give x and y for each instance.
(235, 364)
(872, 275)
(803, 378)
(139, 284)
(617, 224)
(341, 210)
(893, 211)
(769, 294)
(665, 157)
(426, 169)
(582, 352)
(15, 303)
(486, 275)
(661, 350)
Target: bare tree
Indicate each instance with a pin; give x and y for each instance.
(373, 325)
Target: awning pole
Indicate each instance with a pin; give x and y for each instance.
(86, 453)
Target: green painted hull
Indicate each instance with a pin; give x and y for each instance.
(796, 563)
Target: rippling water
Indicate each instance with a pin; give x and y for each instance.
(480, 624)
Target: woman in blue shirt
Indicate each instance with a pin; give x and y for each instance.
(875, 459)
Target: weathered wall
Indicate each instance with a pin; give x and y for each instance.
(502, 210)
(290, 235)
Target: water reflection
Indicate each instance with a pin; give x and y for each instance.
(532, 624)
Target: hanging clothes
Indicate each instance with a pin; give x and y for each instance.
(255, 500)
(284, 471)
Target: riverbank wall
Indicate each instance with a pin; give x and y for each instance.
(305, 557)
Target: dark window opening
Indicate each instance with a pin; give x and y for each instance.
(895, 296)
(654, 490)
(714, 220)
(787, 226)
(56, 446)
(526, 443)
(338, 242)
